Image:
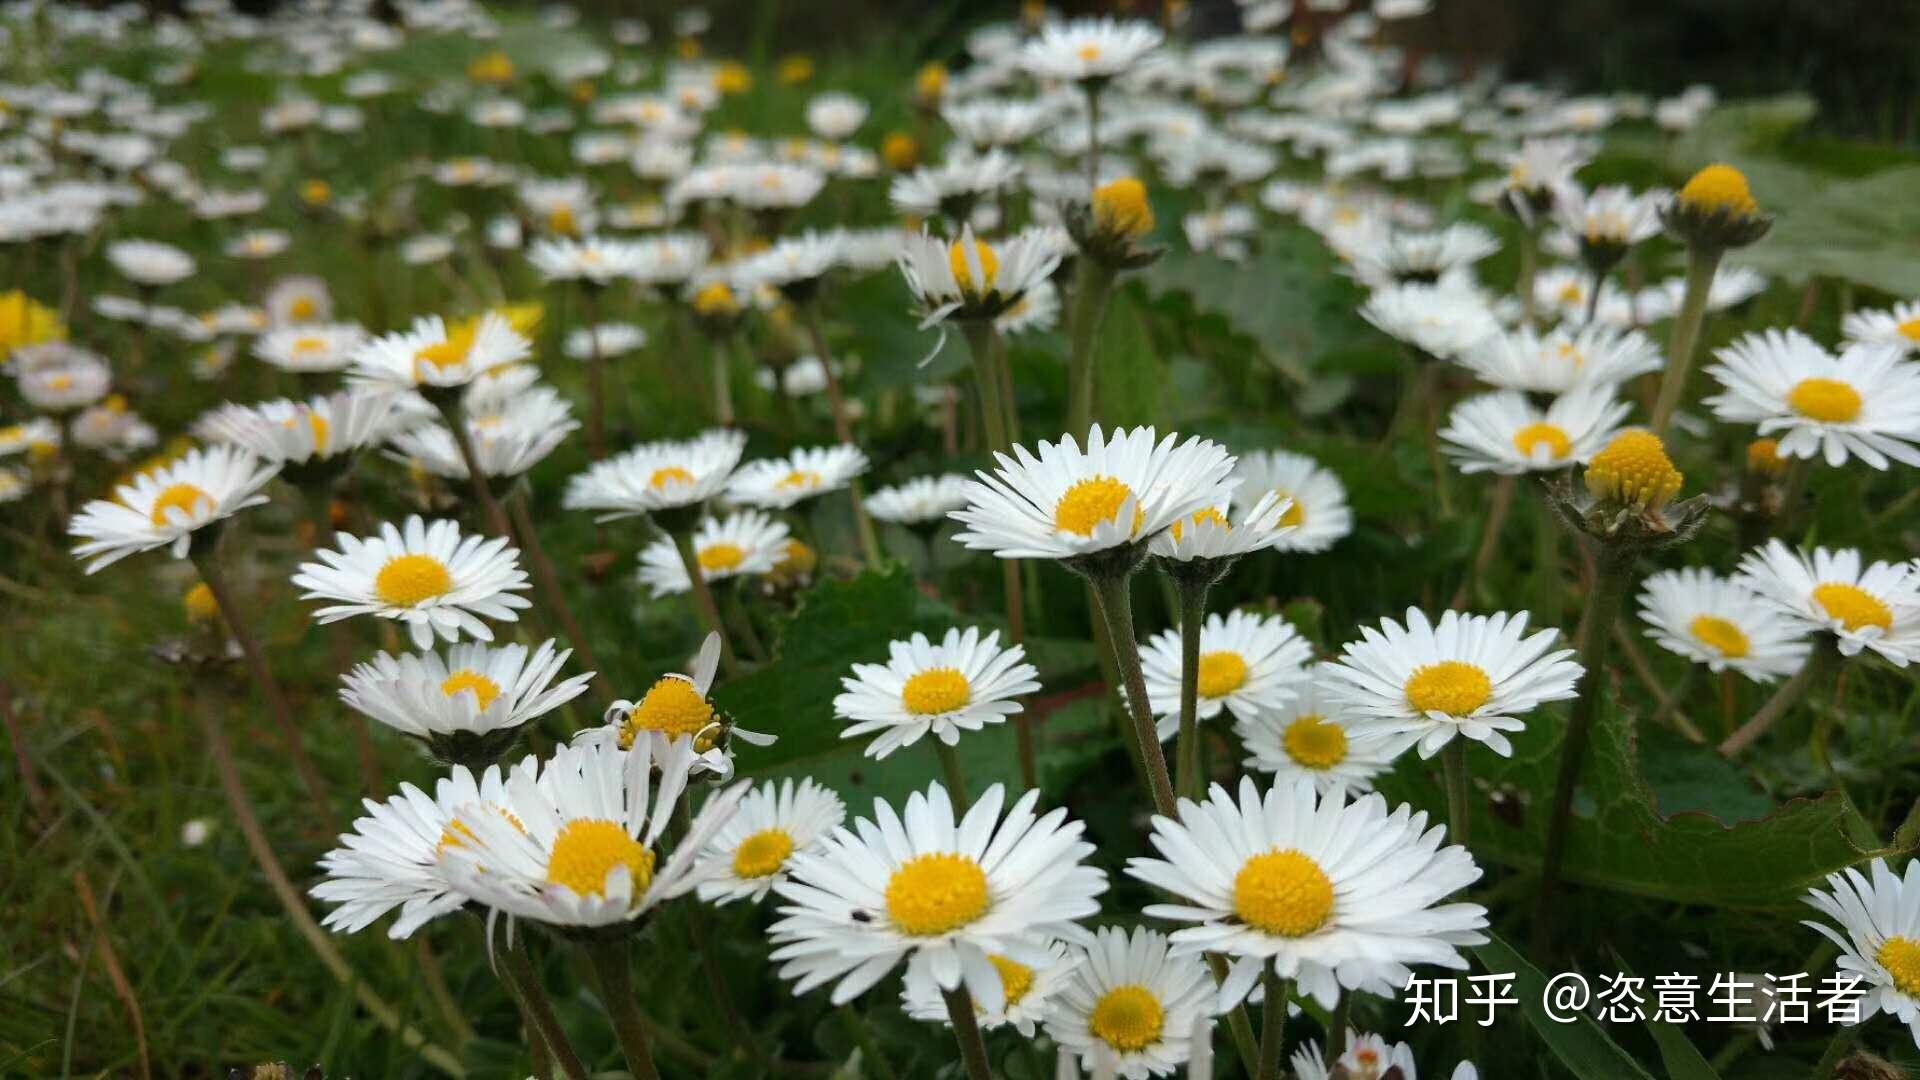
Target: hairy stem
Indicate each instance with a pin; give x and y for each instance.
(1701, 265)
(1193, 611)
(966, 1031)
(614, 972)
(517, 969)
(1115, 603)
(1819, 663)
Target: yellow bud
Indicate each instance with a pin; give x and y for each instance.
(1763, 458)
(732, 77)
(1121, 209)
(1720, 188)
(715, 301)
(930, 84)
(202, 608)
(900, 151)
(316, 192)
(1634, 469)
(795, 70)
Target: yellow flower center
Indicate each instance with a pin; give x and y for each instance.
(1571, 294)
(1221, 673)
(315, 192)
(307, 346)
(410, 580)
(1203, 517)
(1121, 208)
(1720, 188)
(1015, 977)
(1720, 635)
(1283, 893)
(1763, 457)
(485, 690)
(1091, 502)
(1128, 1018)
(445, 354)
(561, 222)
(1909, 329)
(1901, 957)
(588, 849)
(183, 497)
(932, 894)
(1088, 53)
(963, 274)
(672, 474)
(1829, 401)
(718, 558)
(1547, 435)
(799, 480)
(1853, 606)
(762, 854)
(796, 559)
(200, 604)
(60, 382)
(936, 691)
(671, 706)
(1315, 744)
(1296, 514)
(1634, 468)
(715, 300)
(1450, 686)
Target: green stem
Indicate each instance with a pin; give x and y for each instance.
(1529, 266)
(1793, 493)
(1820, 662)
(1496, 521)
(1453, 760)
(524, 981)
(1273, 1024)
(1092, 289)
(615, 974)
(1244, 1042)
(1093, 140)
(723, 381)
(1115, 603)
(1548, 590)
(596, 375)
(950, 768)
(1193, 612)
(966, 1031)
(1837, 1050)
(1701, 265)
(1436, 463)
(702, 593)
(1612, 579)
(742, 620)
(986, 378)
(871, 1057)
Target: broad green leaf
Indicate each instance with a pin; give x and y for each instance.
(1581, 1045)
(1130, 379)
(1683, 1060)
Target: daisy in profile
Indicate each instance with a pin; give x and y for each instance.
(1878, 936)
(510, 432)
(435, 356)
(310, 348)
(298, 299)
(1332, 894)
(961, 684)
(779, 483)
(942, 895)
(36, 436)
(970, 278)
(1317, 515)
(1204, 546)
(165, 508)
(671, 474)
(1065, 502)
(391, 858)
(469, 705)
(1311, 738)
(1248, 663)
(1089, 50)
(675, 709)
(1897, 326)
(1032, 974)
(149, 263)
(921, 503)
(1132, 1005)
(1387, 257)
(749, 855)
(1472, 676)
(1439, 321)
(1864, 403)
(1876, 608)
(744, 543)
(1721, 623)
(1561, 361)
(1366, 1056)
(1504, 433)
(607, 340)
(579, 845)
(300, 433)
(834, 115)
(430, 577)
(591, 261)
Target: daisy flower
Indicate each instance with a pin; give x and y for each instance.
(510, 434)
(1721, 623)
(1897, 326)
(1064, 502)
(1311, 737)
(1469, 675)
(1561, 361)
(779, 483)
(577, 843)
(675, 709)
(74, 382)
(835, 115)
(300, 432)
(467, 705)
(1089, 50)
(149, 263)
(1864, 403)
(1877, 608)
(310, 348)
(975, 279)
(591, 261)
(1211, 541)
(1504, 433)
(391, 858)
(1388, 257)
(1878, 937)
(749, 855)
(944, 896)
(669, 474)
(1440, 321)
(1033, 976)
(1132, 1005)
(1610, 218)
(962, 684)
(922, 502)
(1248, 663)
(427, 576)
(606, 340)
(1334, 894)
(433, 355)
(1316, 516)
(745, 542)
(1367, 1057)
(166, 507)
(38, 435)
(298, 299)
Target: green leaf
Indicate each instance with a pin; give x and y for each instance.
(1682, 1059)
(1581, 1045)
(1131, 381)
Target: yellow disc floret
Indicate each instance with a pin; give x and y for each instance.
(1901, 957)
(1853, 606)
(1763, 458)
(715, 301)
(762, 854)
(588, 849)
(1909, 329)
(1220, 674)
(410, 580)
(936, 691)
(1313, 743)
(1829, 401)
(186, 498)
(1450, 687)
(1016, 978)
(672, 474)
(1208, 516)
(1284, 893)
(1720, 635)
(485, 690)
(721, 557)
(1091, 503)
(934, 894)
(1128, 1018)
(963, 273)
(1121, 209)
(672, 706)
(202, 608)
(1635, 469)
(1534, 436)
(1719, 189)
